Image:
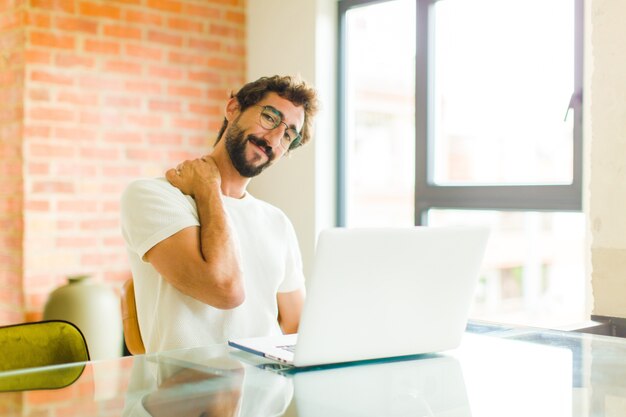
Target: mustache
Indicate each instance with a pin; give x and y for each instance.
(262, 143)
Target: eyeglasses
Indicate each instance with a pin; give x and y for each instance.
(270, 119)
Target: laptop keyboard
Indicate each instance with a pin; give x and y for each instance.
(288, 348)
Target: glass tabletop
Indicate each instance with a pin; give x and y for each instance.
(497, 371)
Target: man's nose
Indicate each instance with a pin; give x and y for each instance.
(274, 136)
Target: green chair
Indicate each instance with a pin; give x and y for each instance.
(39, 345)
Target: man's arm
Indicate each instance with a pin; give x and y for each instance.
(289, 310)
(201, 262)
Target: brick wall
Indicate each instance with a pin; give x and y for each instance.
(11, 185)
(113, 90)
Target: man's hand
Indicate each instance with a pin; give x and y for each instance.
(192, 176)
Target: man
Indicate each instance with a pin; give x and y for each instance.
(209, 261)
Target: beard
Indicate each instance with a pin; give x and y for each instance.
(236, 141)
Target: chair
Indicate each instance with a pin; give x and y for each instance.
(40, 345)
(132, 334)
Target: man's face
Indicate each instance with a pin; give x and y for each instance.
(251, 147)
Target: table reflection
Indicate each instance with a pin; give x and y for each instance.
(197, 383)
(429, 386)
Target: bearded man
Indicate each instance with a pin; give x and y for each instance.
(209, 261)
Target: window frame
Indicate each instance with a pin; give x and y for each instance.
(428, 195)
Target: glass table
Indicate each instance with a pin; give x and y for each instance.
(497, 371)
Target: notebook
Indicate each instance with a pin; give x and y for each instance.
(380, 293)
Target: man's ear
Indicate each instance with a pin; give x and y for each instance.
(232, 109)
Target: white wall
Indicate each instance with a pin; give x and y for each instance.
(298, 37)
(607, 167)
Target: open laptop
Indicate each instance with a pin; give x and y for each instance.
(382, 292)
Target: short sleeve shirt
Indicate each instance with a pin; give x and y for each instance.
(153, 210)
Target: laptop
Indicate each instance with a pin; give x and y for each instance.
(380, 293)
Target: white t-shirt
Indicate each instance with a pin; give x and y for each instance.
(153, 210)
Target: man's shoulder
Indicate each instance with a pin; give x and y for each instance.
(148, 184)
(151, 192)
(148, 187)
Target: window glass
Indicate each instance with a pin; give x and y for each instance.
(380, 114)
(503, 74)
(533, 271)
(500, 76)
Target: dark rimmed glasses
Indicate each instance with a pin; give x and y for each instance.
(270, 118)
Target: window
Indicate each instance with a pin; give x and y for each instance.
(469, 111)
(380, 113)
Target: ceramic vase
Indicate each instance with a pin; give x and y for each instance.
(95, 309)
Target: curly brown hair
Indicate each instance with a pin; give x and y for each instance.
(290, 88)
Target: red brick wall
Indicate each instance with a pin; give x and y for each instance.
(11, 180)
(114, 90)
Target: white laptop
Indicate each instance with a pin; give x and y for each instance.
(382, 292)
